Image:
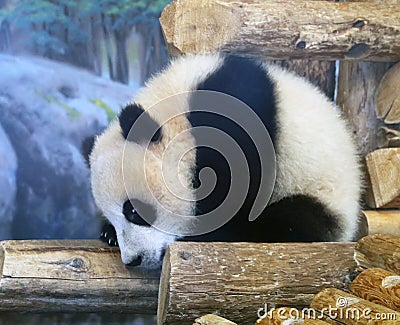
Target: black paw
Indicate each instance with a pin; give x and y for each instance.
(108, 234)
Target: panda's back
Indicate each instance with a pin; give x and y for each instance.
(315, 156)
(314, 148)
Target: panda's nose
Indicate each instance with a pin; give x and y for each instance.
(136, 261)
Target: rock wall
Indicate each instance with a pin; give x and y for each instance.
(47, 109)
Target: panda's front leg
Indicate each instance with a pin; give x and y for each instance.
(108, 234)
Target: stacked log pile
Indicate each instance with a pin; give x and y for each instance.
(383, 164)
(373, 297)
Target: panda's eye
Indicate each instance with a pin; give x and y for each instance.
(132, 215)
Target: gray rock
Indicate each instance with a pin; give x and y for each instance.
(8, 186)
(47, 109)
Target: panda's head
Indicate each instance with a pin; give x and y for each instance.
(142, 181)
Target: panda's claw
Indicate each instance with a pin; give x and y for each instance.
(108, 235)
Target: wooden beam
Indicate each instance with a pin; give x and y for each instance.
(236, 279)
(284, 29)
(72, 276)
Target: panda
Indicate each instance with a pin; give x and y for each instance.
(316, 178)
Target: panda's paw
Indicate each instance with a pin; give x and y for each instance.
(108, 234)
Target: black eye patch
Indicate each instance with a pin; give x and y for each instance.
(132, 208)
(145, 130)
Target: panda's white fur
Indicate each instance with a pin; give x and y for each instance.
(328, 168)
(330, 155)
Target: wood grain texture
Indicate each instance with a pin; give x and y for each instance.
(381, 251)
(211, 319)
(388, 137)
(234, 280)
(383, 221)
(379, 286)
(81, 318)
(286, 315)
(284, 29)
(388, 96)
(72, 276)
(383, 167)
(357, 84)
(352, 310)
(320, 73)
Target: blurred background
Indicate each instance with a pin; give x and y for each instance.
(66, 69)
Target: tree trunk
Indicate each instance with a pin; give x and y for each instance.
(121, 64)
(108, 46)
(357, 85)
(5, 36)
(320, 73)
(94, 46)
(151, 49)
(142, 51)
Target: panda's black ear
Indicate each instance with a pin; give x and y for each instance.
(147, 129)
(87, 147)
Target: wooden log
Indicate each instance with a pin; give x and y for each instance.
(77, 318)
(286, 315)
(357, 84)
(388, 137)
(383, 221)
(284, 29)
(320, 73)
(211, 319)
(379, 286)
(349, 309)
(72, 276)
(235, 279)
(379, 251)
(388, 96)
(383, 166)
